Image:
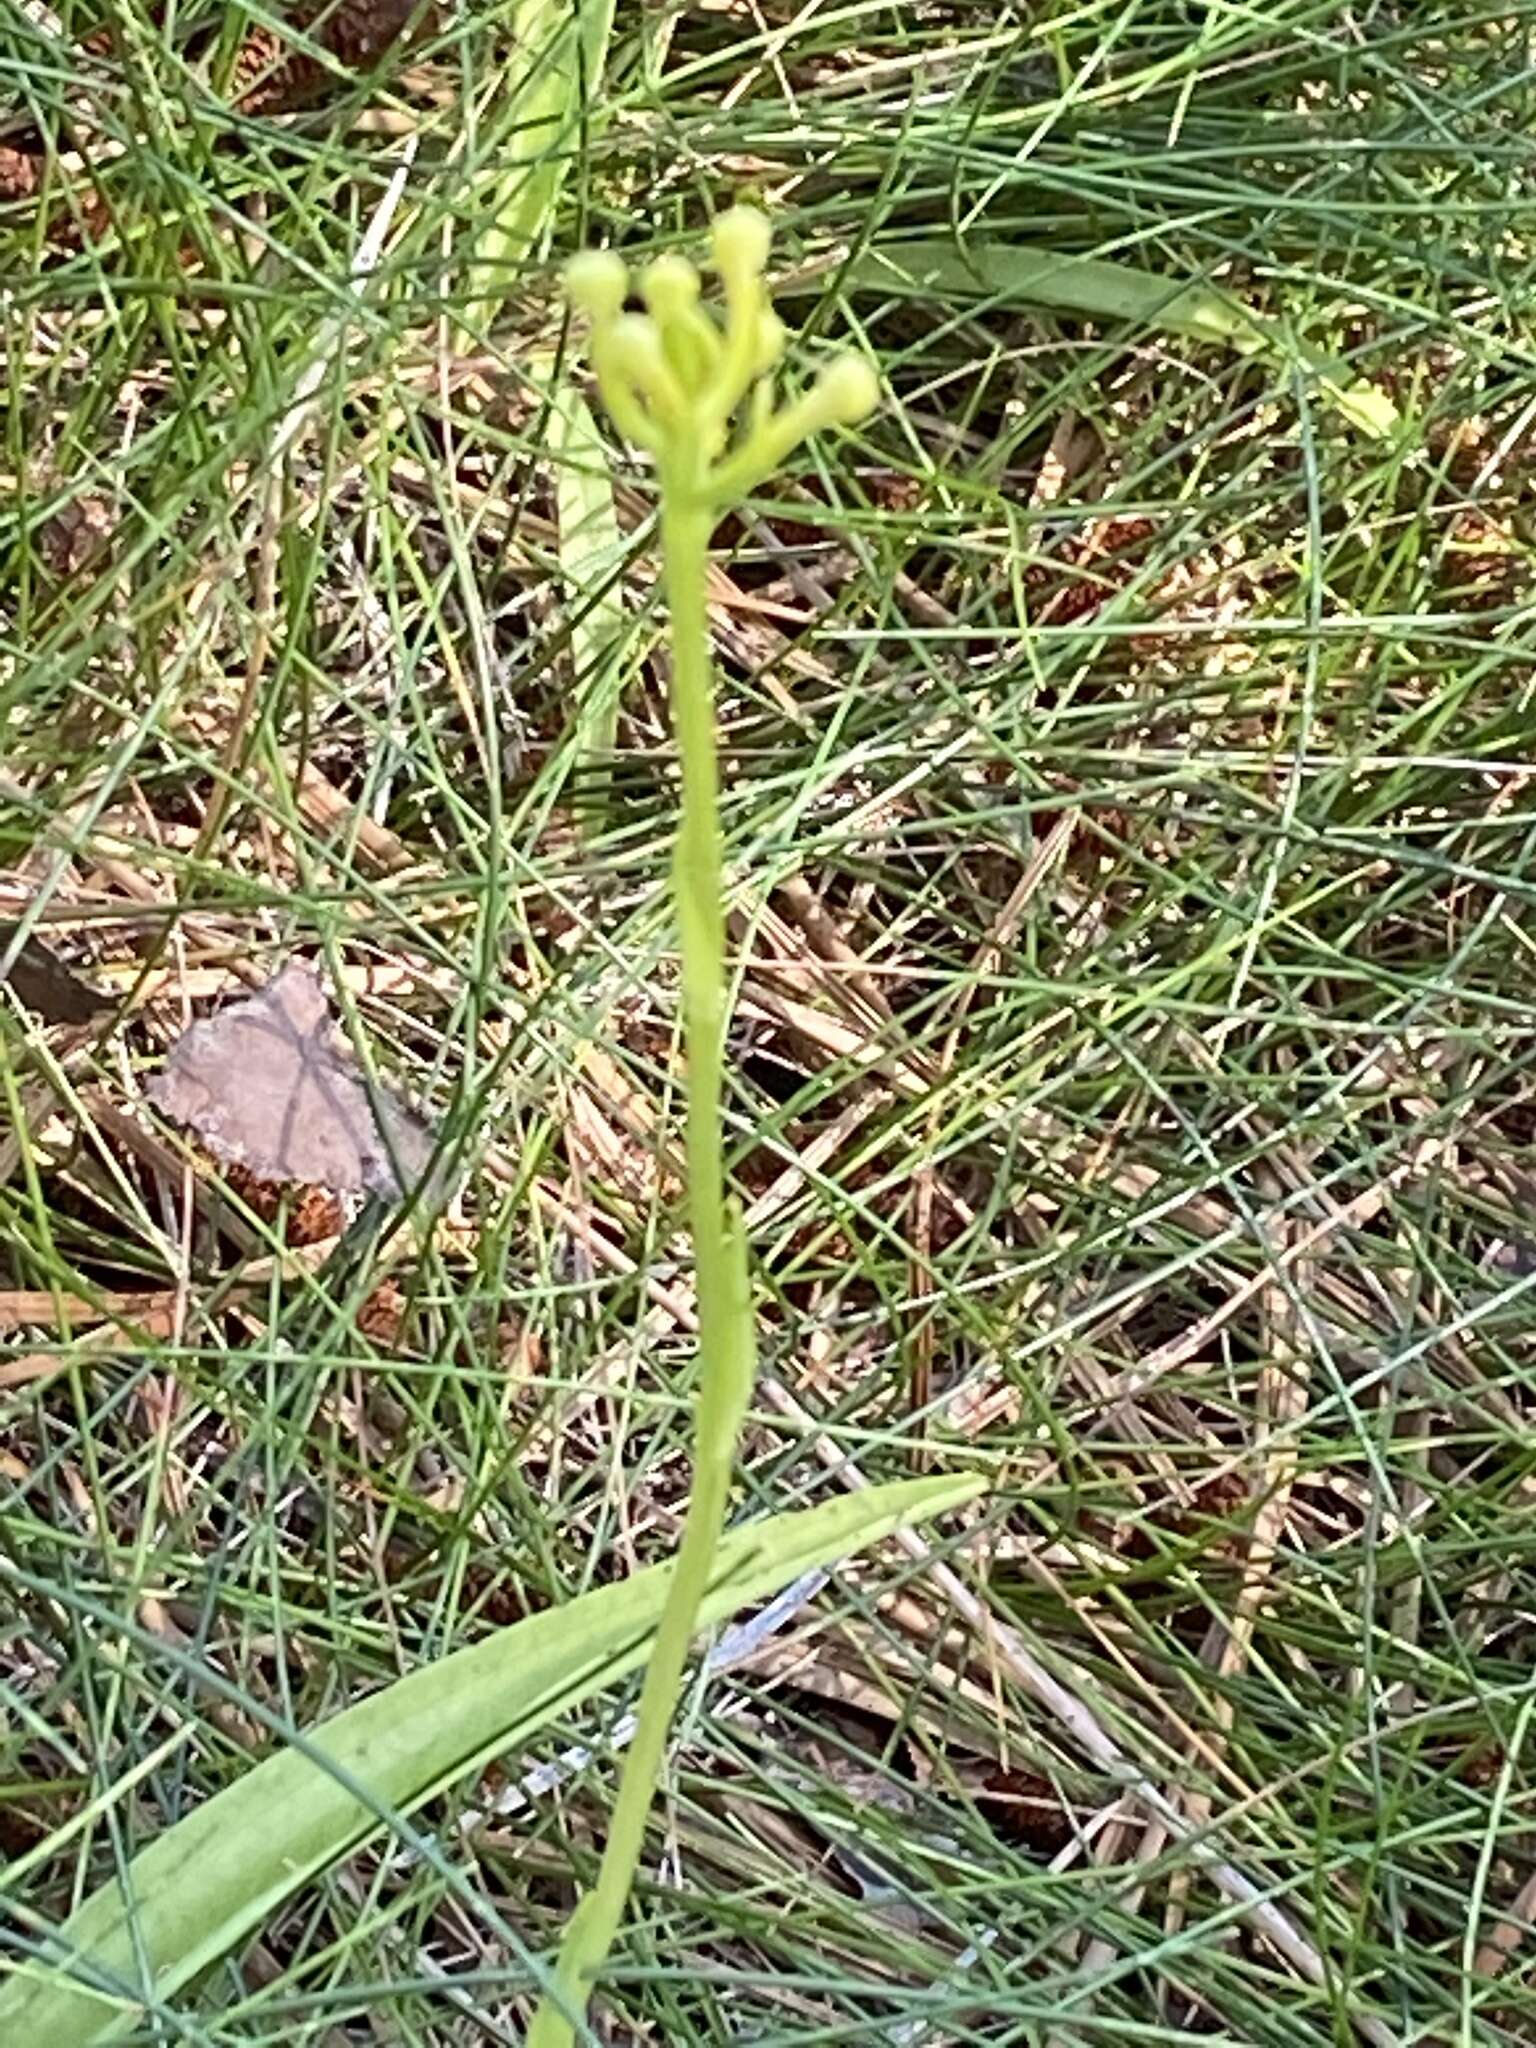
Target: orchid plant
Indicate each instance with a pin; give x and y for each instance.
(698, 394)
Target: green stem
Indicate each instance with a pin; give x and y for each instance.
(726, 1347)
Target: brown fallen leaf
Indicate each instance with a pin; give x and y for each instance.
(267, 1085)
(77, 537)
(18, 173)
(308, 1215)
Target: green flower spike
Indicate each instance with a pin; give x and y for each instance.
(673, 379)
(698, 394)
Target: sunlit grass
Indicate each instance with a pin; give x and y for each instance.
(1128, 841)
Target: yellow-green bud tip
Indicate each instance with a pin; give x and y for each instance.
(771, 338)
(670, 285)
(595, 283)
(741, 238)
(634, 348)
(849, 390)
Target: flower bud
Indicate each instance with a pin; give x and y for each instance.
(636, 346)
(636, 353)
(670, 286)
(741, 238)
(595, 283)
(848, 390)
(771, 339)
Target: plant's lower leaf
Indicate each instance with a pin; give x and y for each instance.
(932, 268)
(220, 1872)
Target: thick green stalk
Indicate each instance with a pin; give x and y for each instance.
(724, 1305)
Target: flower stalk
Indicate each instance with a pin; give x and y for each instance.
(698, 396)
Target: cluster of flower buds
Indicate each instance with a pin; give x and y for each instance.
(674, 377)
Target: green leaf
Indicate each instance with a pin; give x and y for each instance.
(592, 550)
(220, 1872)
(1111, 291)
(559, 50)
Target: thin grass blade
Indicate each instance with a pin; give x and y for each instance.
(933, 269)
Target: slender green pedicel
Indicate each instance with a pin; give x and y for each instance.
(698, 395)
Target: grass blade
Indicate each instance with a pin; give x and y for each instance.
(560, 53)
(591, 549)
(934, 269)
(221, 1871)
